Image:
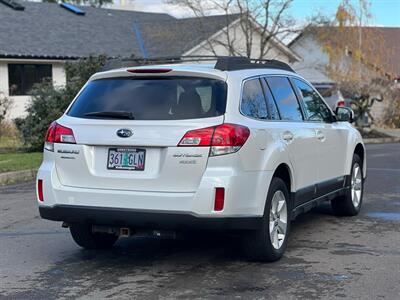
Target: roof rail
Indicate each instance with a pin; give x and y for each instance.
(223, 63)
(13, 4)
(240, 63)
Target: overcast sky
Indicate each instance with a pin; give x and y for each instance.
(385, 12)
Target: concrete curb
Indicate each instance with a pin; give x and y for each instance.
(382, 140)
(17, 176)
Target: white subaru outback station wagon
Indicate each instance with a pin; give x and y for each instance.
(237, 145)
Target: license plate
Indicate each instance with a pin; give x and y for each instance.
(126, 159)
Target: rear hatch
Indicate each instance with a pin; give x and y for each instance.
(127, 130)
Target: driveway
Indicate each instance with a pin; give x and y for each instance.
(327, 257)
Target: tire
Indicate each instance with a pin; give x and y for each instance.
(84, 237)
(261, 245)
(350, 203)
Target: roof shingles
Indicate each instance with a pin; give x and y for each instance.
(46, 30)
(175, 37)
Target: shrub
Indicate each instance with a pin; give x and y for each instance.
(363, 97)
(48, 103)
(392, 117)
(5, 105)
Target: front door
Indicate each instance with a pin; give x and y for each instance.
(330, 139)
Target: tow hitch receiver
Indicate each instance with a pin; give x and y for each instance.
(124, 232)
(120, 231)
(128, 232)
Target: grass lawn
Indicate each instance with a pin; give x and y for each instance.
(19, 161)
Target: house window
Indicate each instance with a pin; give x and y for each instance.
(22, 77)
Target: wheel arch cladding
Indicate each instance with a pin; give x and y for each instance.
(360, 151)
(284, 173)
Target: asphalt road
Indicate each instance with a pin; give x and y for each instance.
(327, 257)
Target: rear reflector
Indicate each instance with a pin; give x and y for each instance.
(40, 190)
(58, 134)
(223, 139)
(150, 71)
(219, 199)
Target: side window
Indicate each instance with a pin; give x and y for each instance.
(285, 98)
(253, 101)
(273, 113)
(315, 107)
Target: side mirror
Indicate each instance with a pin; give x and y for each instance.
(344, 114)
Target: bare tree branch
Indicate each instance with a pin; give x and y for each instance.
(260, 24)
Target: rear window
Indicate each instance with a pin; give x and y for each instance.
(158, 98)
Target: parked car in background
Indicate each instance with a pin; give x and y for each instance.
(236, 145)
(332, 95)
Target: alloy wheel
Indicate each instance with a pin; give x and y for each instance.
(356, 185)
(278, 218)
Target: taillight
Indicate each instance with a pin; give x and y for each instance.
(340, 103)
(40, 190)
(199, 137)
(228, 138)
(58, 134)
(223, 139)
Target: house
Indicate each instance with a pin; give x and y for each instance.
(314, 59)
(36, 39)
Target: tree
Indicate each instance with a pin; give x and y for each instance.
(93, 3)
(357, 57)
(267, 19)
(49, 103)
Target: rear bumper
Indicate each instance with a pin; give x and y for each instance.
(144, 219)
(245, 194)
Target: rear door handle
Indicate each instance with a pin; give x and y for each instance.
(287, 136)
(320, 135)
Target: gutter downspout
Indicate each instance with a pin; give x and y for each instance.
(139, 38)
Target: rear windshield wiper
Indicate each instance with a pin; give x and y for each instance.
(112, 114)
